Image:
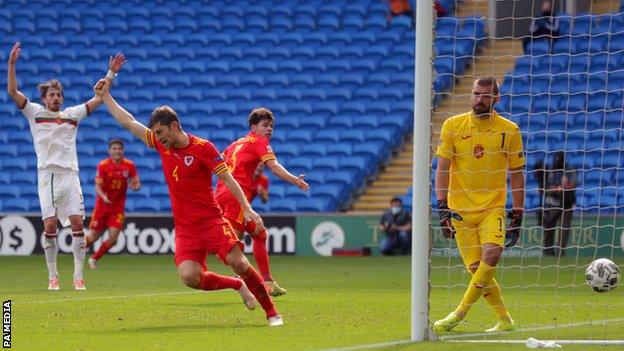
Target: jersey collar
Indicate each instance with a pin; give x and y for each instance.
(483, 123)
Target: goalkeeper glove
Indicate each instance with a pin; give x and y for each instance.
(513, 230)
(445, 219)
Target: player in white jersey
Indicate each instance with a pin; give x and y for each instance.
(54, 135)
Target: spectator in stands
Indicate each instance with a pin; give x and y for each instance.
(544, 27)
(397, 223)
(559, 201)
(400, 8)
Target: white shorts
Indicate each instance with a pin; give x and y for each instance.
(60, 195)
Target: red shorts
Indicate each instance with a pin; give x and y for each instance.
(232, 210)
(195, 244)
(104, 217)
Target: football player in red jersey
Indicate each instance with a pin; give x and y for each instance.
(114, 176)
(242, 158)
(260, 185)
(188, 164)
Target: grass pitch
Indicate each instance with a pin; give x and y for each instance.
(138, 303)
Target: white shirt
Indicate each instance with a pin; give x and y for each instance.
(54, 135)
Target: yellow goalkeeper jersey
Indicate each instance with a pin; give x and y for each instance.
(481, 152)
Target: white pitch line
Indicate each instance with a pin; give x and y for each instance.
(451, 338)
(108, 297)
(536, 328)
(561, 342)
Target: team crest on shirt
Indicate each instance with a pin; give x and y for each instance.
(188, 160)
(478, 151)
(125, 173)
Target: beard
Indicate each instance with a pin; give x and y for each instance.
(481, 109)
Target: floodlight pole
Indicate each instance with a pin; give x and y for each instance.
(421, 171)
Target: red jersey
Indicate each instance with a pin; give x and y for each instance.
(188, 172)
(243, 157)
(113, 178)
(261, 180)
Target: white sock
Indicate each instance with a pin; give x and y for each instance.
(50, 247)
(79, 248)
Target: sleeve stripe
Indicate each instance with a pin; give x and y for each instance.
(149, 138)
(220, 168)
(267, 157)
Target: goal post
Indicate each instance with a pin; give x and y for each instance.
(421, 171)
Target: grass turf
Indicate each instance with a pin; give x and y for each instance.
(137, 302)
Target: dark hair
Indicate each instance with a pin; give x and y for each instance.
(260, 114)
(164, 115)
(396, 199)
(116, 141)
(47, 85)
(489, 81)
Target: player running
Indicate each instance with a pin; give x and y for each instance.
(260, 185)
(242, 158)
(188, 164)
(478, 149)
(54, 135)
(114, 176)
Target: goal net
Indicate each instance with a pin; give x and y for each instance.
(563, 86)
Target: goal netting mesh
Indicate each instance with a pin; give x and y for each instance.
(563, 87)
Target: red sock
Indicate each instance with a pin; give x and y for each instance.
(254, 283)
(260, 251)
(213, 281)
(102, 250)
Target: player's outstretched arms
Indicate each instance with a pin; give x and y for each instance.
(232, 184)
(16, 95)
(122, 116)
(114, 65)
(283, 174)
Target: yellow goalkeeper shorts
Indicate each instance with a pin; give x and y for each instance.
(475, 229)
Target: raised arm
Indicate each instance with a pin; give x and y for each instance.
(122, 116)
(286, 176)
(232, 184)
(114, 65)
(16, 95)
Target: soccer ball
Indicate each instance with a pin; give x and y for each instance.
(602, 275)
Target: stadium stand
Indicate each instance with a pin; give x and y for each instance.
(337, 74)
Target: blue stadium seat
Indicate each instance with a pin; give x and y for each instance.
(282, 205)
(24, 178)
(13, 164)
(316, 205)
(152, 178)
(325, 164)
(314, 150)
(9, 191)
(144, 205)
(15, 205)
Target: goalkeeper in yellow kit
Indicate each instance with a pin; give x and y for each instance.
(477, 150)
